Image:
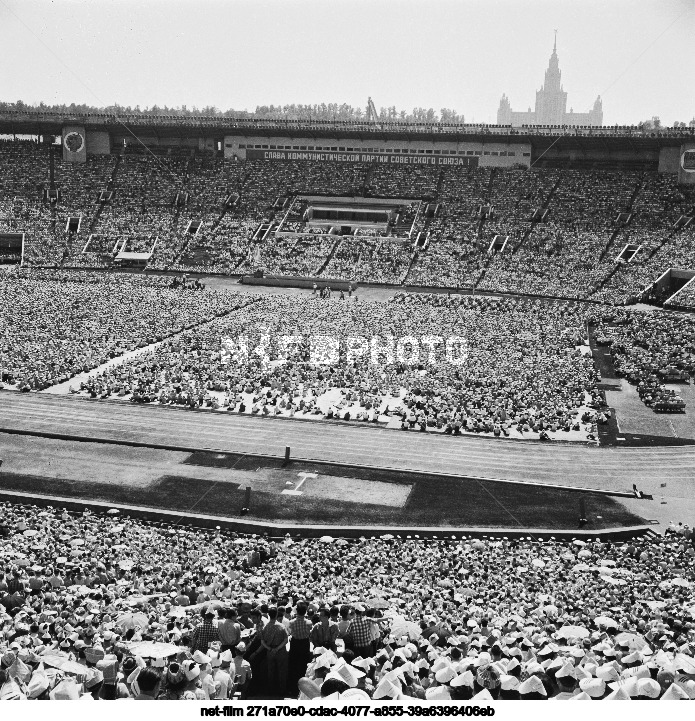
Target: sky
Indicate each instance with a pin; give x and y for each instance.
(461, 54)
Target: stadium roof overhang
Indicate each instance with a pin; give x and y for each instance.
(541, 140)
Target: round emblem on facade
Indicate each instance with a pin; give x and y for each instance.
(74, 142)
(688, 161)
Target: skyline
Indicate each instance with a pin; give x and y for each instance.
(237, 54)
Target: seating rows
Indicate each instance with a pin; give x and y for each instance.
(571, 255)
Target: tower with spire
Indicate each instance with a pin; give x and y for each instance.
(551, 99)
(551, 103)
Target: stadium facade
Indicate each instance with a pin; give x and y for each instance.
(669, 150)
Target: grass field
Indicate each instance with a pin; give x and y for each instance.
(431, 500)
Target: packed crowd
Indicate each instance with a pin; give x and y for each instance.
(573, 254)
(576, 251)
(24, 173)
(684, 298)
(54, 326)
(523, 368)
(650, 349)
(109, 607)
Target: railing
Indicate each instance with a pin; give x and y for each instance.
(246, 123)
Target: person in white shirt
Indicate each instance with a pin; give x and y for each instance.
(241, 670)
(221, 680)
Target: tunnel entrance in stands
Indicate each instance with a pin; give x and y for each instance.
(11, 248)
(667, 285)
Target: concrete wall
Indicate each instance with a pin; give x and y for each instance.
(669, 160)
(235, 147)
(198, 143)
(602, 155)
(207, 144)
(98, 142)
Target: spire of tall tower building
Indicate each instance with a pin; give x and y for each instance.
(553, 74)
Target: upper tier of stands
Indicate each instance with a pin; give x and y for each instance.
(573, 253)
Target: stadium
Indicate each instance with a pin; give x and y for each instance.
(346, 410)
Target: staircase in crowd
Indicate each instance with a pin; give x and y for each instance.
(600, 285)
(483, 272)
(422, 241)
(110, 185)
(329, 257)
(71, 237)
(180, 202)
(413, 260)
(367, 179)
(481, 226)
(440, 184)
(262, 231)
(230, 202)
(241, 261)
(616, 232)
(620, 223)
(545, 206)
(487, 201)
(671, 234)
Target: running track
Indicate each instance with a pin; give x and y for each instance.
(570, 464)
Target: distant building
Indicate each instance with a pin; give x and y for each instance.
(551, 104)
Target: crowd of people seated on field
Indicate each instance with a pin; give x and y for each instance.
(523, 371)
(104, 606)
(650, 349)
(56, 326)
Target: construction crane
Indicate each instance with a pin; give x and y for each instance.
(372, 115)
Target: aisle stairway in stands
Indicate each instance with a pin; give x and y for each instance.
(545, 205)
(329, 257)
(110, 184)
(620, 225)
(481, 226)
(421, 238)
(364, 190)
(620, 267)
(75, 243)
(191, 253)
